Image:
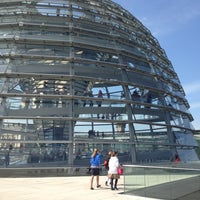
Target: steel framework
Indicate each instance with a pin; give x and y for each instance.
(79, 74)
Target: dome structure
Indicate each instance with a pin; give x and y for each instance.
(75, 75)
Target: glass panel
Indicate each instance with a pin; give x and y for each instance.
(160, 182)
(40, 154)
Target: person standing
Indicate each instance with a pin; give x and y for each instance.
(95, 162)
(99, 96)
(7, 159)
(112, 172)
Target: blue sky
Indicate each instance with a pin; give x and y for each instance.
(176, 25)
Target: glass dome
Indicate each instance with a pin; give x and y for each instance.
(75, 75)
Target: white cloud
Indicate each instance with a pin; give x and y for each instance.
(196, 122)
(196, 125)
(171, 16)
(163, 17)
(195, 105)
(194, 110)
(192, 88)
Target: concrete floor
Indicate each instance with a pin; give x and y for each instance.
(60, 188)
(64, 188)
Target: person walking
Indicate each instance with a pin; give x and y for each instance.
(95, 162)
(113, 170)
(106, 165)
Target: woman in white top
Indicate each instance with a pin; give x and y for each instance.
(112, 172)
